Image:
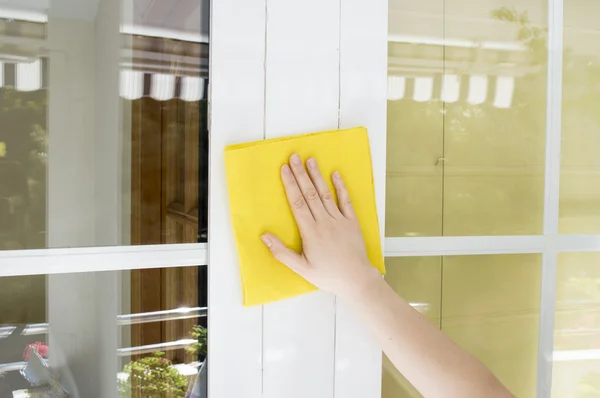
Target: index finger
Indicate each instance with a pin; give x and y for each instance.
(297, 202)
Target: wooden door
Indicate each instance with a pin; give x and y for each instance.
(165, 210)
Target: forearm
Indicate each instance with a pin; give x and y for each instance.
(433, 364)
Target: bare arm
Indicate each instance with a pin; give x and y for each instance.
(334, 259)
(433, 364)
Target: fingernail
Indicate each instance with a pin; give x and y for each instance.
(336, 175)
(311, 163)
(286, 169)
(296, 159)
(266, 241)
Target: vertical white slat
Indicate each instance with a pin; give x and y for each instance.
(236, 115)
(551, 196)
(74, 329)
(363, 93)
(302, 95)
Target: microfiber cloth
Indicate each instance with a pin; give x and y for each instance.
(258, 204)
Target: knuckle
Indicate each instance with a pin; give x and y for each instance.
(311, 194)
(299, 202)
(276, 255)
(327, 196)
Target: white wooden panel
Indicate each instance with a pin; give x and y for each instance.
(100, 259)
(236, 115)
(363, 93)
(554, 85)
(464, 245)
(302, 95)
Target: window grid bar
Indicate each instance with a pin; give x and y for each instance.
(480, 245)
(123, 258)
(101, 259)
(122, 320)
(462, 245)
(551, 197)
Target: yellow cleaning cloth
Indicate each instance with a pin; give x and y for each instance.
(258, 204)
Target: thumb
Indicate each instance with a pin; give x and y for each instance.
(281, 252)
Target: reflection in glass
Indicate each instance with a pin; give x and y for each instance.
(580, 163)
(103, 141)
(478, 85)
(576, 369)
(466, 118)
(489, 305)
(72, 73)
(419, 281)
(164, 332)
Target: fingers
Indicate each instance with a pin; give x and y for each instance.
(344, 202)
(322, 188)
(282, 253)
(302, 214)
(308, 189)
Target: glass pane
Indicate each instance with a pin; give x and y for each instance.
(128, 321)
(419, 281)
(466, 118)
(576, 370)
(580, 164)
(103, 123)
(415, 137)
(490, 306)
(487, 304)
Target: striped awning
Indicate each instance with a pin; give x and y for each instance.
(161, 86)
(449, 88)
(24, 76)
(134, 84)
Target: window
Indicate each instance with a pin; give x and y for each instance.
(484, 173)
(104, 194)
(489, 158)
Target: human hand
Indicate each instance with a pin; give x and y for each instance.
(334, 256)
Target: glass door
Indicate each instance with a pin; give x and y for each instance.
(103, 200)
(483, 97)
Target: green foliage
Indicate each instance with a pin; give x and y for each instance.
(152, 377)
(200, 346)
(23, 119)
(533, 37)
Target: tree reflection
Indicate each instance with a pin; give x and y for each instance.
(23, 169)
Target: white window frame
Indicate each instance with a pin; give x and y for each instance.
(262, 351)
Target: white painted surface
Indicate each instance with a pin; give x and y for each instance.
(554, 88)
(363, 101)
(301, 96)
(461, 245)
(93, 259)
(237, 115)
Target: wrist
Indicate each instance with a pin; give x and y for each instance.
(366, 287)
